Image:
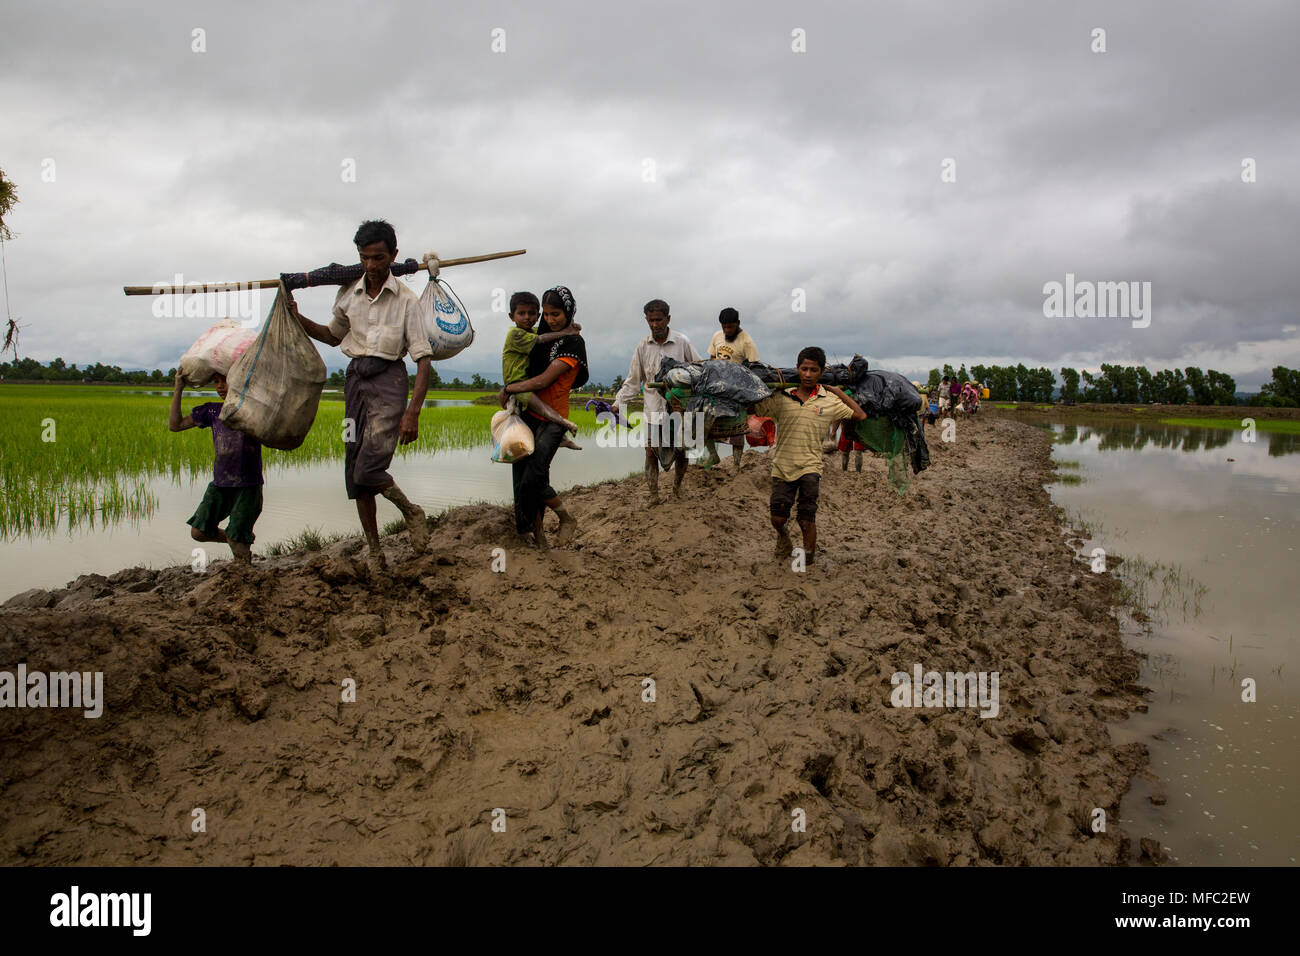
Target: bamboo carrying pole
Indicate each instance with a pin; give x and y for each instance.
(664, 386)
(273, 283)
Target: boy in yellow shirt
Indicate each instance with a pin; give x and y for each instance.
(802, 416)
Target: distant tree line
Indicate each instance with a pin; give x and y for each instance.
(27, 369)
(30, 370)
(1114, 384)
(1125, 385)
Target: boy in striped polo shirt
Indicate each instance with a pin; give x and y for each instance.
(802, 416)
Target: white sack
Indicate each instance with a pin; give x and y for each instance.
(445, 320)
(214, 352)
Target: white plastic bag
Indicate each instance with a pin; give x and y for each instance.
(275, 385)
(214, 352)
(511, 438)
(445, 320)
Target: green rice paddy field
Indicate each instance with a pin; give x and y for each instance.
(79, 455)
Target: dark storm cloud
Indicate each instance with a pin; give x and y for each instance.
(773, 170)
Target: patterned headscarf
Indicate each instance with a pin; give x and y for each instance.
(569, 305)
(571, 346)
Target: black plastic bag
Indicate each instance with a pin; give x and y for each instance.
(722, 389)
(841, 375)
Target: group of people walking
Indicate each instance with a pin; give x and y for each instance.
(376, 322)
(555, 366)
(952, 395)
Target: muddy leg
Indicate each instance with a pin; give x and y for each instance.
(416, 525)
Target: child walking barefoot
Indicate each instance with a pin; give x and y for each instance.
(801, 415)
(236, 487)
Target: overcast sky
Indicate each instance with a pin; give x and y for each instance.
(769, 170)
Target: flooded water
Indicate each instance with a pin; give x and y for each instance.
(1207, 524)
(295, 498)
(208, 393)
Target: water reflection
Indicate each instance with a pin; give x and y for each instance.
(298, 497)
(1209, 542)
(1135, 437)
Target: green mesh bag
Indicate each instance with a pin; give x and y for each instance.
(884, 438)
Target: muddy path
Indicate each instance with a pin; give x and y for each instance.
(520, 696)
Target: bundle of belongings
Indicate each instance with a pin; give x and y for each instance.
(841, 376)
(214, 352)
(722, 390)
(275, 383)
(891, 402)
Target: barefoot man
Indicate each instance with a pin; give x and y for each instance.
(377, 321)
(650, 351)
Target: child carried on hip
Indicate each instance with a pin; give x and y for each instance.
(520, 339)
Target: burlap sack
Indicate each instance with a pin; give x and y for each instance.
(275, 385)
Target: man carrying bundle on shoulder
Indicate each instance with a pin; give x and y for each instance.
(733, 344)
(661, 431)
(802, 415)
(376, 321)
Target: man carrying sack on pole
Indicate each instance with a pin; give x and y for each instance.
(376, 321)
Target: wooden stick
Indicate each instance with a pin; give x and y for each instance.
(274, 283)
(490, 255)
(664, 386)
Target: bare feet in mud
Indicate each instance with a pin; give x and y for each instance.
(784, 546)
(568, 528)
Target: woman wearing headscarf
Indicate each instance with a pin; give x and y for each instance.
(554, 369)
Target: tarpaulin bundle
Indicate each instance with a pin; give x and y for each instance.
(335, 274)
(841, 375)
(886, 394)
(891, 399)
(719, 388)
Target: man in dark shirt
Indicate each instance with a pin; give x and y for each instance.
(236, 487)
